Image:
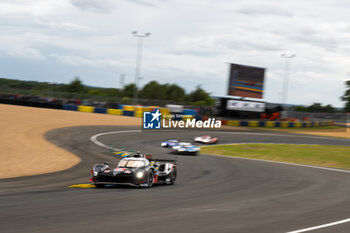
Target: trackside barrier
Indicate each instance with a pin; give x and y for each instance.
(187, 117)
(114, 111)
(70, 107)
(82, 108)
(100, 110)
(128, 113)
(280, 124)
(128, 110)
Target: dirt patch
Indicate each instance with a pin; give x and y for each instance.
(24, 150)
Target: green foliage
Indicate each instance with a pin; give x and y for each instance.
(76, 89)
(75, 86)
(346, 96)
(199, 95)
(128, 90)
(174, 92)
(153, 90)
(316, 107)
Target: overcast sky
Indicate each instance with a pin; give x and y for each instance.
(192, 42)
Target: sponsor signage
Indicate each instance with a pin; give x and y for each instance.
(245, 106)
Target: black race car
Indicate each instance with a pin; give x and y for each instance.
(137, 170)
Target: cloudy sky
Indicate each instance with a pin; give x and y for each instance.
(191, 43)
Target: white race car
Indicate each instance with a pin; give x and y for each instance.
(206, 139)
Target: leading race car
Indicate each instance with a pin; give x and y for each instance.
(185, 148)
(137, 170)
(206, 139)
(170, 143)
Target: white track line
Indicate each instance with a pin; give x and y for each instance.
(94, 140)
(321, 226)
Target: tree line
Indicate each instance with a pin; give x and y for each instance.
(151, 91)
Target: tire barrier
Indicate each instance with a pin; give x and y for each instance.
(137, 111)
(190, 114)
(279, 124)
(29, 103)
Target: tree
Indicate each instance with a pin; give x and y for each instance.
(75, 86)
(315, 107)
(128, 90)
(153, 90)
(174, 92)
(200, 95)
(329, 108)
(346, 97)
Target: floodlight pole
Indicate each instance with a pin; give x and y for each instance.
(286, 76)
(138, 61)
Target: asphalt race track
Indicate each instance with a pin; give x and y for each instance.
(211, 194)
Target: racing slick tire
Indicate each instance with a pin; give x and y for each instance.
(100, 185)
(149, 180)
(173, 176)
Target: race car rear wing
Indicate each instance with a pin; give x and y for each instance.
(149, 157)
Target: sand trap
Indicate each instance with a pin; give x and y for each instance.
(22, 143)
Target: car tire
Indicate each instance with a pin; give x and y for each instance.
(173, 176)
(150, 178)
(100, 185)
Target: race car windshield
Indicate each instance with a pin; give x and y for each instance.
(131, 163)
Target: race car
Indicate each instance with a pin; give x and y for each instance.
(170, 143)
(206, 139)
(185, 148)
(137, 170)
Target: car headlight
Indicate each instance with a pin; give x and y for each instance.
(139, 174)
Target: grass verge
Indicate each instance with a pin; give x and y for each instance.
(316, 155)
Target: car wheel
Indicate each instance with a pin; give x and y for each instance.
(150, 178)
(173, 176)
(100, 185)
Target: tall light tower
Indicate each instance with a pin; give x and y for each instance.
(138, 61)
(286, 74)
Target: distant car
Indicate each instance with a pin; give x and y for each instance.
(206, 139)
(137, 170)
(185, 148)
(170, 143)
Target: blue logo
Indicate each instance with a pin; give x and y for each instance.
(151, 120)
